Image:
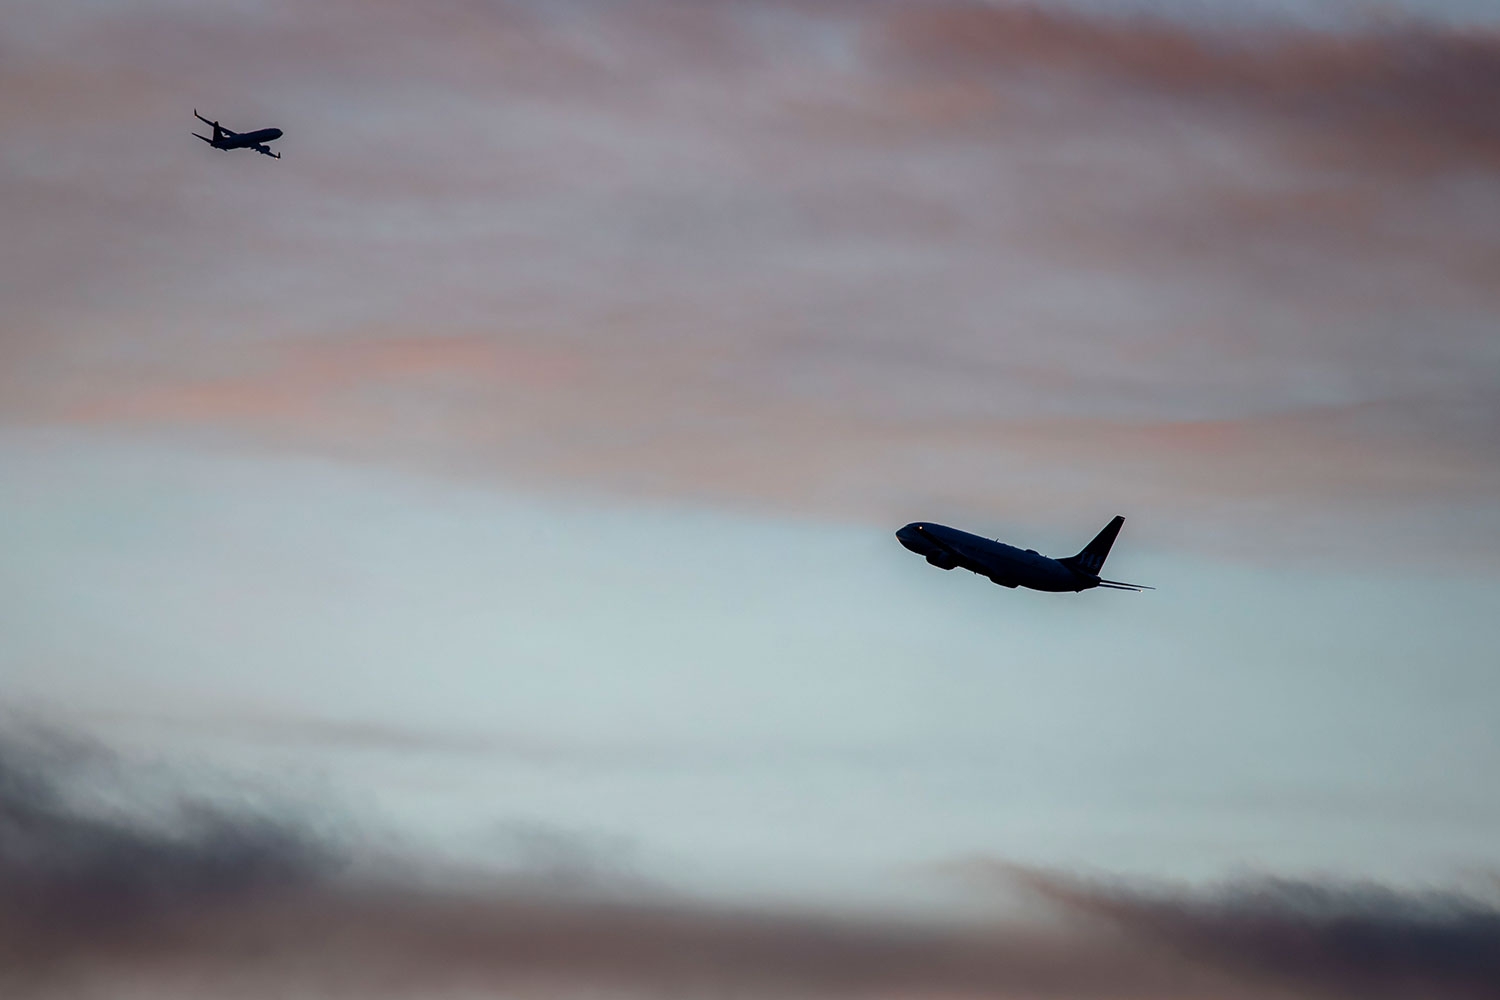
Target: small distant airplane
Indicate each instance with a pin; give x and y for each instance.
(947, 548)
(226, 139)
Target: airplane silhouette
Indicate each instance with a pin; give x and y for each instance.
(948, 548)
(226, 139)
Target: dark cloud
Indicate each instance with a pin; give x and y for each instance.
(193, 892)
(1356, 939)
(79, 871)
(205, 887)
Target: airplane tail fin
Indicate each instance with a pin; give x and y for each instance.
(1091, 559)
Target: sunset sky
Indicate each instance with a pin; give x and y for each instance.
(510, 471)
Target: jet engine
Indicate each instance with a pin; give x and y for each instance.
(941, 561)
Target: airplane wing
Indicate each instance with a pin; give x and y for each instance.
(203, 137)
(1117, 585)
(267, 151)
(958, 555)
(975, 561)
(221, 128)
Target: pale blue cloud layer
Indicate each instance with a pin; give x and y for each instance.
(747, 702)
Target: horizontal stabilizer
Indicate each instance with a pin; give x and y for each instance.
(1118, 585)
(203, 137)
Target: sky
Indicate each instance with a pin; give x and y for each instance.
(505, 480)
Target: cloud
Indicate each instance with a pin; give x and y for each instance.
(78, 874)
(337, 734)
(1402, 94)
(507, 409)
(858, 260)
(1358, 939)
(197, 892)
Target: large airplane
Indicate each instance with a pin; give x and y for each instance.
(949, 548)
(226, 139)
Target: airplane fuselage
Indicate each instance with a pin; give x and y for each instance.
(949, 548)
(246, 140)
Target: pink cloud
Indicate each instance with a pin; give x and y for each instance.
(849, 259)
